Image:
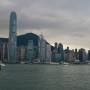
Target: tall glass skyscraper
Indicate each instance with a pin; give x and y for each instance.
(12, 38)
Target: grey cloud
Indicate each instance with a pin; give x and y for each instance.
(66, 21)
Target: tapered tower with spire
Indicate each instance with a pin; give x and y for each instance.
(12, 38)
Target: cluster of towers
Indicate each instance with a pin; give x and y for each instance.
(43, 52)
(12, 44)
(71, 56)
(58, 53)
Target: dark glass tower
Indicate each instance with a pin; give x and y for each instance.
(82, 55)
(12, 38)
(61, 52)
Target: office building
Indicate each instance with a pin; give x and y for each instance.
(48, 53)
(61, 52)
(12, 38)
(42, 49)
(82, 55)
(30, 51)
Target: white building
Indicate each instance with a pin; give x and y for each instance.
(48, 53)
(42, 45)
(44, 50)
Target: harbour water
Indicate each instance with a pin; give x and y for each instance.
(45, 77)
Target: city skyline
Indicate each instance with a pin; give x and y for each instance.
(32, 48)
(59, 21)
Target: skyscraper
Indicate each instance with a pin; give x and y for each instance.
(48, 53)
(82, 55)
(56, 46)
(12, 38)
(30, 51)
(89, 55)
(42, 49)
(61, 51)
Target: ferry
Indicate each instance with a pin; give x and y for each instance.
(65, 63)
(2, 65)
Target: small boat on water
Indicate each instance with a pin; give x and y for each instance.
(65, 63)
(2, 66)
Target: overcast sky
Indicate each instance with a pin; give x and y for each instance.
(64, 21)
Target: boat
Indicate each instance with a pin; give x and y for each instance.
(65, 63)
(2, 65)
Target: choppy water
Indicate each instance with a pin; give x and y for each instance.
(45, 77)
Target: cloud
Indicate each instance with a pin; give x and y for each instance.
(66, 21)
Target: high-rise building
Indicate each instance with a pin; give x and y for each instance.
(30, 51)
(42, 49)
(48, 53)
(21, 53)
(12, 38)
(89, 55)
(76, 54)
(69, 55)
(1, 51)
(56, 47)
(5, 52)
(61, 51)
(82, 55)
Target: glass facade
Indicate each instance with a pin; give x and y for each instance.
(12, 38)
